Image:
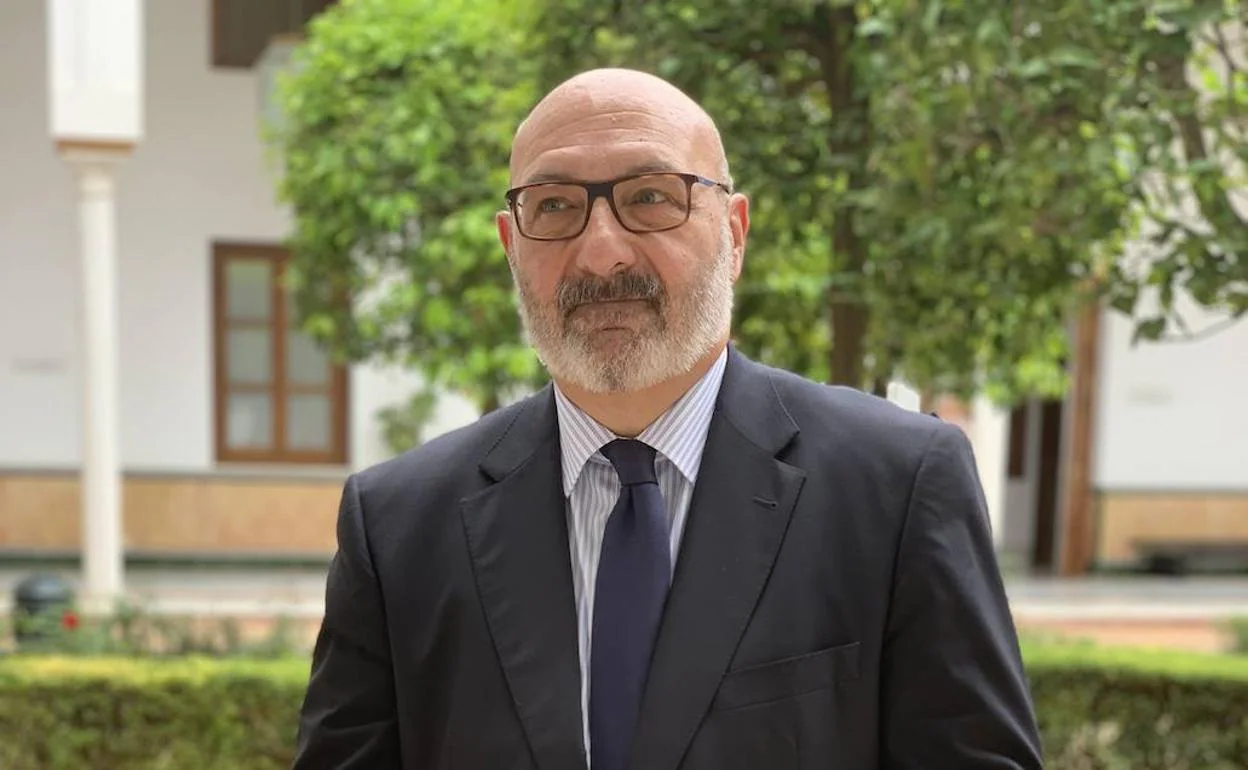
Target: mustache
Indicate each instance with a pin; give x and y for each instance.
(575, 292)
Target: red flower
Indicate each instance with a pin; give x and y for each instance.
(69, 621)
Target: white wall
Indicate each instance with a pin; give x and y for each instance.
(373, 388)
(198, 175)
(1019, 520)
(1173, 416)
(989, 433)
(38, 257)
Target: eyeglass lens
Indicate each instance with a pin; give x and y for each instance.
(643, 204)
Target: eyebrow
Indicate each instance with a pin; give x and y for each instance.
(649, 167)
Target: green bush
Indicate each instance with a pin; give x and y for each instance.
(1100, 709)
(1238, 630)
(1126, 709)
(132, 631)
(149, 714)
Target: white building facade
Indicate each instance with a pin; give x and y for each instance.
(224, 431)
(213, 403)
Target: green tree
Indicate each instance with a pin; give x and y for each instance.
(393, 149)
(937, 184)
(941, 182)
(1179, 115)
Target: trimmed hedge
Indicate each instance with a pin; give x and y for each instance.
(1100, 709)
(1124, 709)
(148, 714)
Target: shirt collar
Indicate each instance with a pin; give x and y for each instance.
(679, 434)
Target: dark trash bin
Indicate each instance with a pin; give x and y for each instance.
(42, 607)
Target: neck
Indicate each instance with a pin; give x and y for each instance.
(628, 414)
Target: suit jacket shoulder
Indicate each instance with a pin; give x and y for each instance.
(422, 487)
(880, 434)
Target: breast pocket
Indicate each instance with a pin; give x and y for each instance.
(787, 678)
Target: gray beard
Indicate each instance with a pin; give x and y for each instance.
(685, 328)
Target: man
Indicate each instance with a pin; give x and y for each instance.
(673, 557)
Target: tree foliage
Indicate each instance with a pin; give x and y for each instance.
(942, 181)
(936, 184)
(394, 145)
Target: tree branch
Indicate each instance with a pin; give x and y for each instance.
(849, 141)
(1219, 43)
(1171, 69)
(1204, 333)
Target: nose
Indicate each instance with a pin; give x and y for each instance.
(604, 247)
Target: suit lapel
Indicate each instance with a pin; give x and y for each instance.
(737, 519)
(518, 539)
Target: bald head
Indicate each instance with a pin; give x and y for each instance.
(588, 112)
(642, 291)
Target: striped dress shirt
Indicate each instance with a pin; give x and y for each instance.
(591, 487)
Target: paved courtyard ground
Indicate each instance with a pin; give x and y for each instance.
(1186, 613)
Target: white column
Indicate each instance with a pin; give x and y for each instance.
(990, 429)
(95, 117)
(101, 472)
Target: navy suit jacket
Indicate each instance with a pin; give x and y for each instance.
(836, 602)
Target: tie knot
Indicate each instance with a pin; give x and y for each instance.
(633, 461)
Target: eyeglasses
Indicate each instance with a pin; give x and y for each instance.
(643, 203)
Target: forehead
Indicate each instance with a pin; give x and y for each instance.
(602, 145)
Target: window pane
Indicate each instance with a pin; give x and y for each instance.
(307, 422)
(248, 290)
(306, 364)
(250, 356)
(249, 421)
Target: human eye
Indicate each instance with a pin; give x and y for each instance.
(649, 196)
(553, 205)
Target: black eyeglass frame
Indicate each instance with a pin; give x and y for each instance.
(606, 189)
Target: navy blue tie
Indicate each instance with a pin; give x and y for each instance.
(634, 570)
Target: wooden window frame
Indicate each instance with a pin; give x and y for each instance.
(279, 389)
